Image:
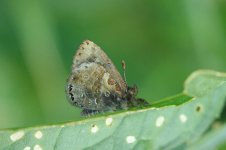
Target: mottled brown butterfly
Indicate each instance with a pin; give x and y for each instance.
(95, 85)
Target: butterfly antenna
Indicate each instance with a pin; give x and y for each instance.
(124, 70)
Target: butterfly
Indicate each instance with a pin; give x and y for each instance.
(96, 86)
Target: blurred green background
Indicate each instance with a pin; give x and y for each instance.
(162, 42)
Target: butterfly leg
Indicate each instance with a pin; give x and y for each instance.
(89, 112)
(137, 102)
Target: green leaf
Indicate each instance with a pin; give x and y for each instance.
(214, 139)
(171, 123)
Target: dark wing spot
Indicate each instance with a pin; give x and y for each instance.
(72, 97)
(87, 42)
(91, 59)
(111, 81)
(70, 88)
(74, 78)
(117, 88)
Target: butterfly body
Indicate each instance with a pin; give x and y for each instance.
(95, 85)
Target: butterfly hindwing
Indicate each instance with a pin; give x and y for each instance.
(95, 85)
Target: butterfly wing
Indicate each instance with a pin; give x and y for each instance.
(94, 83)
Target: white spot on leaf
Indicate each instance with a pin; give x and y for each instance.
(159, 121)
(109, 121)
(38, 134)
(183, 118)
(37, 147)
(17, 135)
(130, 139)
(27, 148)
(94, 128)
